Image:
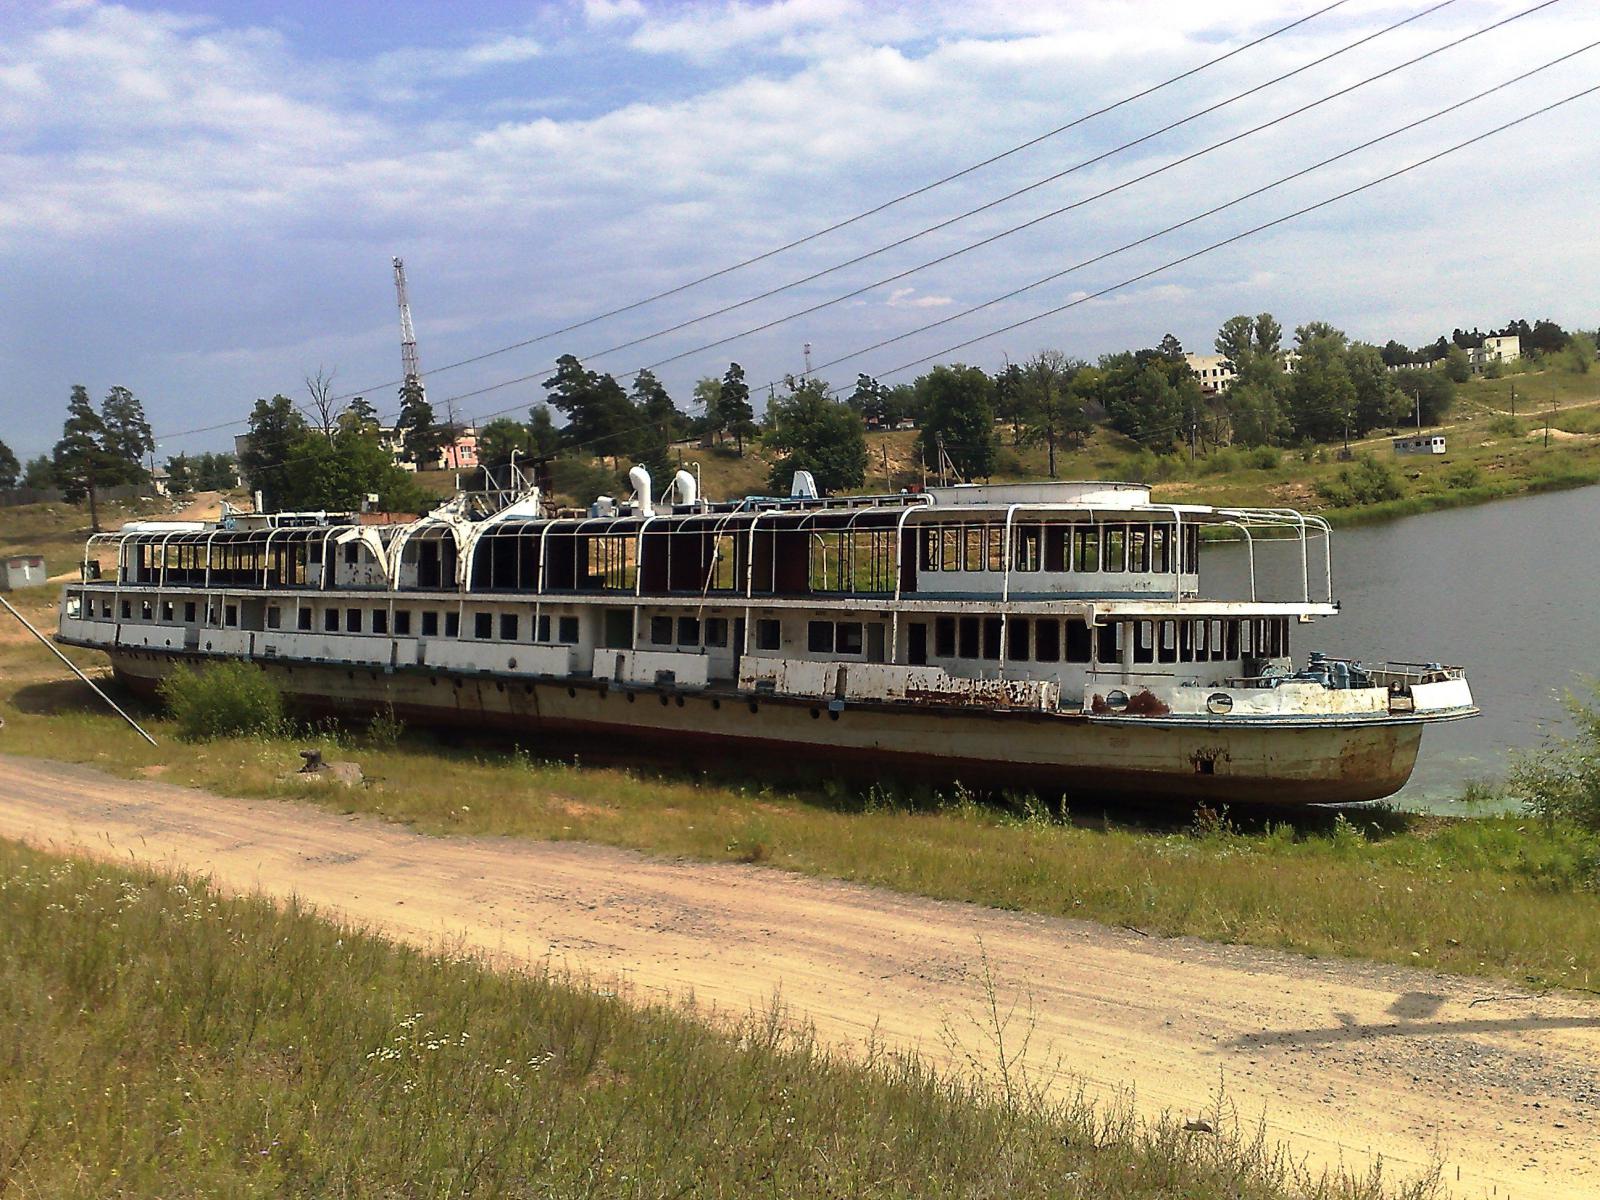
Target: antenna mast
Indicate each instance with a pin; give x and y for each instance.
(408, 335)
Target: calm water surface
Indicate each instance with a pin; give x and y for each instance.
(1509, 590)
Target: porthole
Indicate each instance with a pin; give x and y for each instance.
(572, 693)
(1219, 703)
(511, 664)
(816, 714)
(1117, 700)
(631, 697)
(754, 707)
(716, 704)
(832, 715)
(664, 701)
(528, 688)
(679, 699)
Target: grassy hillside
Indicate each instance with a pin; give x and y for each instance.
(1492, 454)
(163, 1039)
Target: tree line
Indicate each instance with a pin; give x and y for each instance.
(1318, 387)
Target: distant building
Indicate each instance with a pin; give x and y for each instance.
(458, 455)
(1216, 373)
(1495, 349)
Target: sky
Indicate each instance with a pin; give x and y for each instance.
(201, 201)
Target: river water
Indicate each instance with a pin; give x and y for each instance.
(1509, 590)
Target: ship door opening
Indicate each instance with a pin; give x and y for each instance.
(917, 644)
(619, 629)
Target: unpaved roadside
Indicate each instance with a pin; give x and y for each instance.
(1345, 1060)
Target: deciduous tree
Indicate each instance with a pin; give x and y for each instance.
(958, 417)
(268, 462)
(812, 432)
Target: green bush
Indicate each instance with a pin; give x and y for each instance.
(1264, 458)
(1368, 481)
(1561, 780)
(1505, 425)
(1463, 475)
(226, 699)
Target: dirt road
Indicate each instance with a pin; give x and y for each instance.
(1344, 1060)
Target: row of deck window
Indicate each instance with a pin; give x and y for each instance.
(976, 638)
(1138, 547)
(1048, 640)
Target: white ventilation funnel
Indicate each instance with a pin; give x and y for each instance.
(688, 491)
(640, 479)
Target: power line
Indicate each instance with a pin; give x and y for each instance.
(1251, 232)
(1228, 241)
(1406, 128)
(842, 224)
(890, 203)
(763, 327)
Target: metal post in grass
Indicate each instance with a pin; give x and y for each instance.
(45, 642)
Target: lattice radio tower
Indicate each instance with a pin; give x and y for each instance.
(408, 335)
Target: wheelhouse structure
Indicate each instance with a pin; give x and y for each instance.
(1050, 636)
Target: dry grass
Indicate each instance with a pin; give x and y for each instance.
(161, 1039)
(1496, 896)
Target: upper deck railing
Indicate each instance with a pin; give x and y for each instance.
(995, 541)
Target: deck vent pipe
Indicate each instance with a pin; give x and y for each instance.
(640, 479)
(684, 485)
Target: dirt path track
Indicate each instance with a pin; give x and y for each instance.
(1345, 1060)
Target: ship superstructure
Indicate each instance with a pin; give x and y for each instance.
(1047, 635)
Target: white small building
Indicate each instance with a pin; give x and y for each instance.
(1495, 349)
(22, 570)
(1216, 373)
(1422, 443)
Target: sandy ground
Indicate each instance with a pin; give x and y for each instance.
(1342, 1060)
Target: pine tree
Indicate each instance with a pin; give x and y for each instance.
(127, 432)
(82, 462)
(9, 467)
(421, 436)
(734, 406)
(180, 475)
(600, 420)
(359, 414)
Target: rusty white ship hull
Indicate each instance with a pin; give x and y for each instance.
(1288, 761)
(1050, 637)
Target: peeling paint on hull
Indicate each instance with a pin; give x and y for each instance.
(1054, 754)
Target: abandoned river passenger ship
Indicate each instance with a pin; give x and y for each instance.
(1048, 636)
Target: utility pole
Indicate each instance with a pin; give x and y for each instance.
(1192, 428)
(1513, 399)
(808, 360)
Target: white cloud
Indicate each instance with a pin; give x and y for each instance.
(609, 12)
(246, 190)
(908, 298)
